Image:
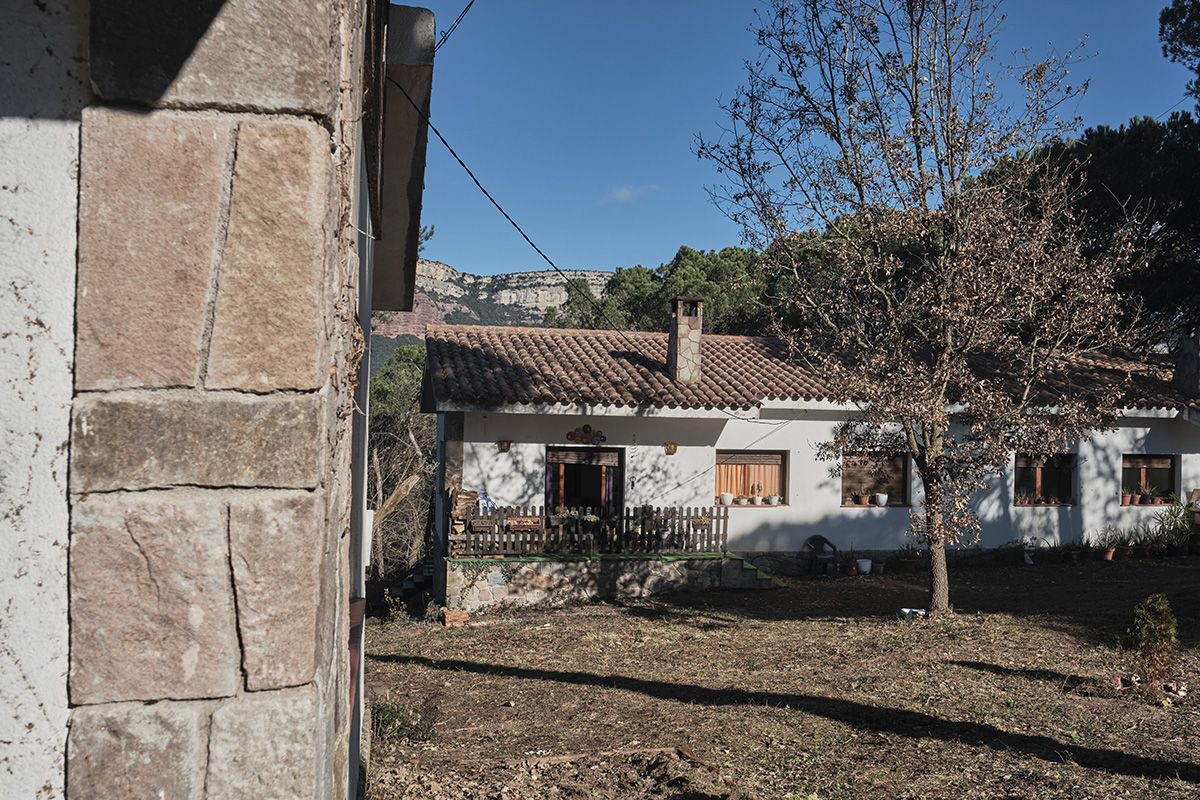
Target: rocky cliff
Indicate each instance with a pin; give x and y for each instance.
(443, 294)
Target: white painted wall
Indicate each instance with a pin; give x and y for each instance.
(42, 89)
(814, 501)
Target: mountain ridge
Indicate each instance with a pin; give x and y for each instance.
(446, 294)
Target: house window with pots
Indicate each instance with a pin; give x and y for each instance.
(873, 479)
(1048, 481)
(751, 477)
(1147, 479)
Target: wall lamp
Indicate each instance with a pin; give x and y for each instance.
(503, 445)
(670, 448)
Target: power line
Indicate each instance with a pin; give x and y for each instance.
(453, 25)
(586, 292)
(1172, 108)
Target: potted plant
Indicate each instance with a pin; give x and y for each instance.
(1106, 543)
(726, 498)
(773, 499)
(881, 499)
(757, 497)
(1126, 498)
(859, 496)
(907, 558)
(1173, 526)
(742, 500)
(1147, 494)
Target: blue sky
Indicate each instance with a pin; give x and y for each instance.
(579, 117)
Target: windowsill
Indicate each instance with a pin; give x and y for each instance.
(1044, 505)
(872, 505)
(751, 505)
(1145, 505)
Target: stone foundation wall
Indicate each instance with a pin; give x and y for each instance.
(473, 584)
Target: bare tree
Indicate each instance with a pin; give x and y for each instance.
(923, 256)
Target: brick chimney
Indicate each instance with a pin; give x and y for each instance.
(1187, 365)
(683, 340)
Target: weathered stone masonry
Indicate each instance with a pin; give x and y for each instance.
(216, 341)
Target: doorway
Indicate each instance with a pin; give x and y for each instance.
(586, 477)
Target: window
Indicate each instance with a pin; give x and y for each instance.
(866, 475)
(746, 473)
(1046, 481)
(1146, 478)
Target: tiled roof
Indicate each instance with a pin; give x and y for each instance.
(481, 366)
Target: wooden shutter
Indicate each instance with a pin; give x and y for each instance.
(602, 458)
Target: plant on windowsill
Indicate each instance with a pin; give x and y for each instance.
(1147, 494)
(741, 500)
(757, 497)
(881, 499)
(726, 498)
(1127, 498)
(773, 499)
(860, 496)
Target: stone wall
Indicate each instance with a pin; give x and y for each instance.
(216, 344)
(473, 584)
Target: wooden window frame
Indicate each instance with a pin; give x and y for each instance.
(749, 457)
(1038, 469)
(905, 501)
(1173, 465)
(604, 457)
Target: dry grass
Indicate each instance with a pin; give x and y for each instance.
(811, 691)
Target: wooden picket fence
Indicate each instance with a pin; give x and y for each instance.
(639, 530)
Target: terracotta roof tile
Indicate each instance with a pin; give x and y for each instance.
(489, 366)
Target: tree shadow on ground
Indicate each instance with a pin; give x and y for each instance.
(1066, 682)
(882, 720)
(1092, 601)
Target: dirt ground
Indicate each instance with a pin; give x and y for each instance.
(811, 691)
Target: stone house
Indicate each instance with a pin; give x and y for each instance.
(686, 419)
(201, 205)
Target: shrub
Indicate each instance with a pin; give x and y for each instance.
(1156, 638)
(392, 722)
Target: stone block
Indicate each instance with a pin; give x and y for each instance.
(496, 578)
(151, 602)
(150, 190)
(189, 438)
(276, 547)
(269, 328)
(270, 55)
(264, 746)
(137, 751)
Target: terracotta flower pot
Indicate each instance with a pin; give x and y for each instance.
(1109, 553)
(1135, 499)
(1127, 498)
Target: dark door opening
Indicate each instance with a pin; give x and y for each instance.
(585, 478)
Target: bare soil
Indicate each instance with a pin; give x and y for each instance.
(816, 690)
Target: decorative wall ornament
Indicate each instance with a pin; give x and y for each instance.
(503, 445)
(670, 448)
(585, 435)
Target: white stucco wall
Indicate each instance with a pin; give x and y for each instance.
(42, 88)
(814, 502)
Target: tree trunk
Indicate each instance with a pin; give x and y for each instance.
(935, 536)
(939, 580)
